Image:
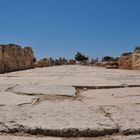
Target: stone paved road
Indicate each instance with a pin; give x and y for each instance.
(67, 101)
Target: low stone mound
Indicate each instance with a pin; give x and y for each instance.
(45, 62)
(109, 64)
(14, 57)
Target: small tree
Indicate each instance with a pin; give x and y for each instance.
(126, 54)
(137, 49)
(107, 58)
(80, 57)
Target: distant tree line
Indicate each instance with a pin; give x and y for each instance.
(137, 49)
(82, 59)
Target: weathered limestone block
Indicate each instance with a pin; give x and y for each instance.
(1, 60)
(136, 60)
(125, 62)
(13, 57)
(130, 61)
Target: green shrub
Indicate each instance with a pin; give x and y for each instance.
(80, 57)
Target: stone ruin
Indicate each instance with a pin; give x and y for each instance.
(130, 60)
(14, 57)
(136, 59)
(125, 61)
(47, 62)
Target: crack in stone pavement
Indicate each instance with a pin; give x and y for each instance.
(127, 96)
(42, 97)
(71, 132)
(11, 88)
(105, 87)
(3, 128)
(108, 114)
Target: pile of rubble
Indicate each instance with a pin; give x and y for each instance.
(47, 62)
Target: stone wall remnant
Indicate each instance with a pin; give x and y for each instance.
(130, 60)
(14, 57)
(136, 60)
(125, 61)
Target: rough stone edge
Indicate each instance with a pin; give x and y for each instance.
(66, 132)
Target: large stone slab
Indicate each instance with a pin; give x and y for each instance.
(8, 98)
(27, 138)
(64, 118)
(47, 90)
(121, 105)
(118, 96)
(133, 137)
(73, 75)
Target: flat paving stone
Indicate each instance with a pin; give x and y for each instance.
(122, 106)
(58, 118)
(133, 137)
(72, 75)
(27, 138)
(46, 90)
(118, 96)
(8, 98)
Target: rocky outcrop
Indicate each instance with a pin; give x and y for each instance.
(14, 57)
